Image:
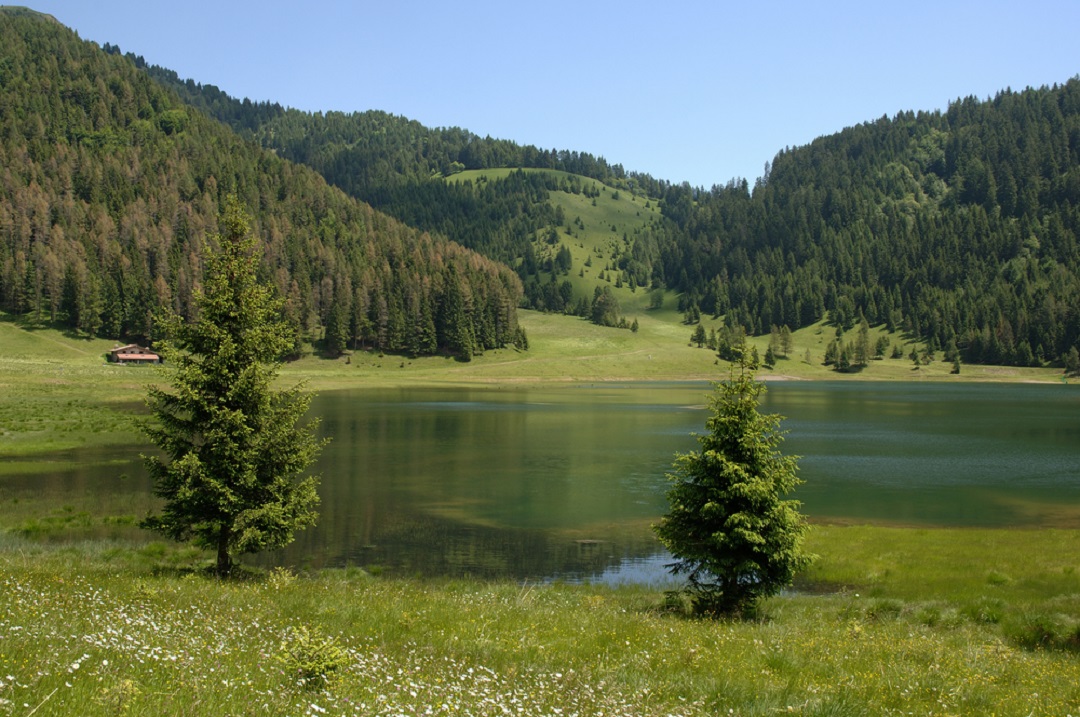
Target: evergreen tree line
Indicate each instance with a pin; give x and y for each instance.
(958, 227)
(110, 184)
(397, 165)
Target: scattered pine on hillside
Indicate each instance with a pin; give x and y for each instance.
(110, 184)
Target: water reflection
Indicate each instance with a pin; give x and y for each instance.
(564, 483)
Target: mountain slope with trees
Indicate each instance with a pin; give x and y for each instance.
(957, 227)
(110, 184)
(398, 166)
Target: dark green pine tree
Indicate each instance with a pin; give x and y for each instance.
(457, 324)
(1071, 359)
(337, 330)
(728, 527)
(422, 333)
(233, 447)
(605, 307)
(699, 336)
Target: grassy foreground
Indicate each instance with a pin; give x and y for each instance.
(888, 621)
(902, 622)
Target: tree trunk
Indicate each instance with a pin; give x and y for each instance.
(224, 560)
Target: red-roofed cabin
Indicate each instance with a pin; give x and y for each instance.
(133, 354)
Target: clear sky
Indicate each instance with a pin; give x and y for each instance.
(697, 91)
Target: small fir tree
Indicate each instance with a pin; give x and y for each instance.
(457, 321)
(233, 449)
(1071, 359)
(337, 331)
(699, 336)
(729, 529)
(787, 341)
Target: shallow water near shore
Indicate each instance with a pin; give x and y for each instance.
(541, 483)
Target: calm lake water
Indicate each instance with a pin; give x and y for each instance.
(542, 483)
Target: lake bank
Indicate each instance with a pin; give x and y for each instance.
(104, 629)
(563, 482)
(53, 403)
(888, 621)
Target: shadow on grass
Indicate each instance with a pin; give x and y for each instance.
(31, 324)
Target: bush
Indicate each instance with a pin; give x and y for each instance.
(987, 611)
(887, 608)
(1033, 632)
(313, 659)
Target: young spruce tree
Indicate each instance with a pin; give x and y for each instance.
(233, 446)
(728, 527)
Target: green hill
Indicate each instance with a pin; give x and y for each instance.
(960, 227)
(592, 241)
(957, 227)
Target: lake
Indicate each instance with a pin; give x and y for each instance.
(564, 483)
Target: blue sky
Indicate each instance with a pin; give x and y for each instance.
(685, 91)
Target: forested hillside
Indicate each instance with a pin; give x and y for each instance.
(959, 227)
(109, 184)
(390, 162)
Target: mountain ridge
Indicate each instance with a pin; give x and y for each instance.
(957, 226)
(817, 236)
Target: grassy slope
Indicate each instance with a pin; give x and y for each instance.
(57, 392)
(598, 238)
(566, 348)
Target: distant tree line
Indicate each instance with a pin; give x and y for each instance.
(957, 227)
(110, 185)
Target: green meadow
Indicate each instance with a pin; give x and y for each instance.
(888, 622)
(97, 618)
